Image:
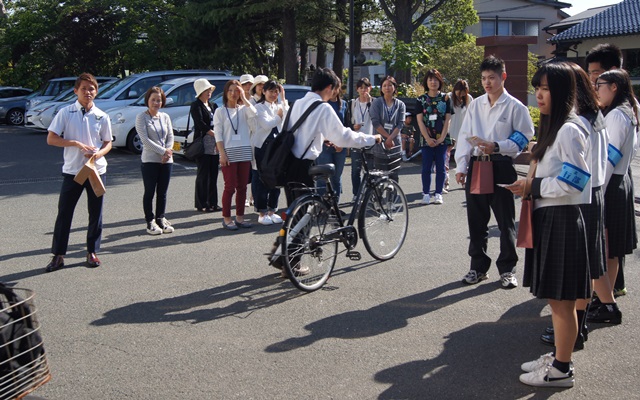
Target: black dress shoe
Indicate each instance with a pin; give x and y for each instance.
(215, 208)
(606, 314)
(548, 330)
(585, 332)
(92, 260)
(56, 263)
(550, 341)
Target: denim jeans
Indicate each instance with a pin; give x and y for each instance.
(69, 195)
(155, 177)
(330, 156)
(429, 155)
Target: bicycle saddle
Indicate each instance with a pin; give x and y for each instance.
(324, 170)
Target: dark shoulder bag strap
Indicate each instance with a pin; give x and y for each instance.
(301, 120)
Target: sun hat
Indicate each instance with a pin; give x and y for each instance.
(200, 85)
(246, 78)
(258, 80)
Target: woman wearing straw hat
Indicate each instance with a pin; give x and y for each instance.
(206, 199)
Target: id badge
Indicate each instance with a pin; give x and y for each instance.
(388, 127)
(235, 138)
(433, 117)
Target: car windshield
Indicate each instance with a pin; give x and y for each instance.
(165, 88)
(119, 84)
(63, 94)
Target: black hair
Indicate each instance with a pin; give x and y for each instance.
(608, 55)
(624, 92)
(463, 86)
(268, 85)
(561, 82)
(493, 63)
(322, 78)
(363, 82)
(432, 73)
(586, 97)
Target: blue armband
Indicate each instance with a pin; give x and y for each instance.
(574, 176)
(613, 155)
(519, 139)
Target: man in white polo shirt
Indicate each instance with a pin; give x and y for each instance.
(87, 133)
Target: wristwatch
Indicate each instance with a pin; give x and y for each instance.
(496, 148)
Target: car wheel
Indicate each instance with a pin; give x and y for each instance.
(15, 116)
(134, 144)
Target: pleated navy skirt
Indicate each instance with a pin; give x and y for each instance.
(558, 265)
(593, 215)
(620, 218)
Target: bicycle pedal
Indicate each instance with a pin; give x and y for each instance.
(354, 255)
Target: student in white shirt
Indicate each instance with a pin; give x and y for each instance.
(502, 128)
(322, 124)
(361, 122)
(87, 134)
(233, 124)
(269, 118)
(621, 119)
(257, 88)
(557, 267)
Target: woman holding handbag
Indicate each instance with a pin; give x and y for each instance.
(557, 267)
(206, 198)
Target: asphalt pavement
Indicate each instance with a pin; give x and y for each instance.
(199, 314)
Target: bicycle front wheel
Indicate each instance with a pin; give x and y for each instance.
(309, 259)
(383, 219)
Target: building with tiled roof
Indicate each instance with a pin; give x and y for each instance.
(618, 24)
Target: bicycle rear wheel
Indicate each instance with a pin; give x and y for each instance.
(309, 260)
(383, 220)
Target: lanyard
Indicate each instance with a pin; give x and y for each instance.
(235, 128)
(160, 137)
(390, 112)
(362, 113)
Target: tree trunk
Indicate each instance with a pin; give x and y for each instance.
(340, 45)
(404, 33)
(304, 50)
(279, 59)
(289, 46)
(321, 58)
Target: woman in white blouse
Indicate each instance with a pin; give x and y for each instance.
(557, 268)
(156, 133)
(270, 116)
(233, 124)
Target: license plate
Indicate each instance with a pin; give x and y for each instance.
(177, 146)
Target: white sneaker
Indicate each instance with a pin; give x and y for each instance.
(164, 225)
(275, 218)
(438, 199)
(549, 376)
(426, 199)
(508, 280)
(153, 228)
(541, 362)
(472, 277)
(265, 220)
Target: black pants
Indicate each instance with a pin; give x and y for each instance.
(69, 195)
(298, 173)
(155, 177)
(479, 207)
(207, 181)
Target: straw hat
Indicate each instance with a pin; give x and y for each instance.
(258, 80)
(246, 78)
(200, 85)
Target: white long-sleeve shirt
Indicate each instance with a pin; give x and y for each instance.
(507, 122)
(562, 176)
(622, 142)
(267, 118)
(360, 115)
(457, 117)
(597, 149)
(322, 124)
(233, 127)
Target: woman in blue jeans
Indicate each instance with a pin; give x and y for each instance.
(156, 133)
(433, 111)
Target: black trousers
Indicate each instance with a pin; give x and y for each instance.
(297, 174)
(155, 177)
(69, 195)
(207, 181)
(479, 207)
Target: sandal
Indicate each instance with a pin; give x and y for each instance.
(230, 226)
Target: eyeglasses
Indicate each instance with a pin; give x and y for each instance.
(598, 84)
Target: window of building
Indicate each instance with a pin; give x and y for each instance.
(632, 61)
(510, 27)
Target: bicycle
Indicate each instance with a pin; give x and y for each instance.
(314, 225)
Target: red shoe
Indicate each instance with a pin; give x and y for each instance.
(92, 260)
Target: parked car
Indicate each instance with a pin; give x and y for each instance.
(40, 116)
(55, 86)
(8, 92)
(12, 109)
(180, 94)
(183, 137)
(130, 88)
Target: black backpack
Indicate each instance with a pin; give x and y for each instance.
(277, 155)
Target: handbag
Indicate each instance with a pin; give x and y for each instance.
(482, 178)
(525, 226)
(196, 148)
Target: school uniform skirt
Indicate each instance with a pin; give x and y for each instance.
(620, 218)
(558, 265)
(593, 215)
